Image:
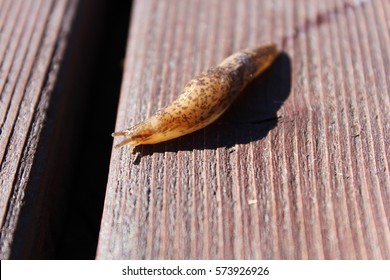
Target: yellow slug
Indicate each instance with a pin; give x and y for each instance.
(203, 99)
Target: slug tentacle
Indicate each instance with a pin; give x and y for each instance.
(204, 99)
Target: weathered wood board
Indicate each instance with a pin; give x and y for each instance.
(45, 52)
(298, 169)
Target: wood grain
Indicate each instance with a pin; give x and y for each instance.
(41, 93)
(297, 169)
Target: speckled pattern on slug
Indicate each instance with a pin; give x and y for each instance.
(203, 99)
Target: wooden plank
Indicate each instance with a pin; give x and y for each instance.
(42, 78)
(298, 169)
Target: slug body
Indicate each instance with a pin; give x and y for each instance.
(203, 99)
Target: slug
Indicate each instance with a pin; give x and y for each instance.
(203, 99)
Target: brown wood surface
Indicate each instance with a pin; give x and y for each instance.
(40, 100)
(298, 169)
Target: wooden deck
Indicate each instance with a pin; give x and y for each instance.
(298, 168)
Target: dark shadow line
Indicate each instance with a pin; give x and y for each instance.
(90, 175)
(320, 19)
